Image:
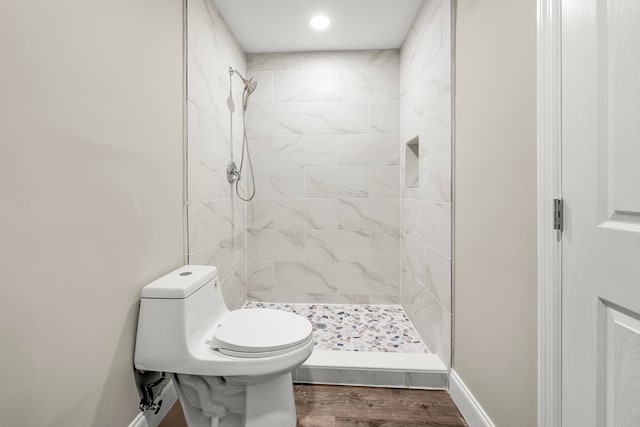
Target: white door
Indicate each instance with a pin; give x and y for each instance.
(601, 188)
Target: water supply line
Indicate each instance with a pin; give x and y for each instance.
(233, 172)
(148, 382)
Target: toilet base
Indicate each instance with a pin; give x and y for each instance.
(271, 403)
(236, 401)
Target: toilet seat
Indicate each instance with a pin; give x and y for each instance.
(261, 332)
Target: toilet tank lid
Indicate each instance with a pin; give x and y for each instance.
(180, 283)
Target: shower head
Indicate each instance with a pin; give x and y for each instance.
(249, 84)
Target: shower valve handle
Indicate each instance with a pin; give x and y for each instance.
(232, 172)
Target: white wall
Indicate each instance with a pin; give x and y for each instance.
(91, 104)
(216, 216)
(495, 215)
(425, 111)
(324, 226)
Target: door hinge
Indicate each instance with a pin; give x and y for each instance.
(558, 214)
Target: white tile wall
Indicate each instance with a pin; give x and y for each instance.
(425, 111)
(368, 84)
(209, 222)
(278, 181)
(369, 278)
(316, 84)
(304, 150)
(384, 117)
(260, 214)
(207, 181)
(306, 277)
(334, 298)
(260, 276)
(232, 254)
(428, 221)
(384, 181)
(337, 245)
(368, 150)
(332, 181)
(275, 245)
(369, 214)
(426, 312)
(331, 221)
(335, 117)
(272, 118)
(261, 149)
(385, 246)
(216, 218)
(306, 214)
(274, 62)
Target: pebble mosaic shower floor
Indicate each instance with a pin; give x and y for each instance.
(349, 327)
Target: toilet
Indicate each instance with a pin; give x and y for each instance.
(230, 368)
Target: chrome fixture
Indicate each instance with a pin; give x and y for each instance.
(249, 86)
(233, 172)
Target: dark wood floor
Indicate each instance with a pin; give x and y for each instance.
(344, 406)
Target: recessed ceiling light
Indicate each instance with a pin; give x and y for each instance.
(319, 22)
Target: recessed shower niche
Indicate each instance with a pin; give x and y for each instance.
(412, 163)
(335, 232)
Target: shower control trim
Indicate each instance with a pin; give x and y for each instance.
(232, 172)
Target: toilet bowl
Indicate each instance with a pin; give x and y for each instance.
(230, 368)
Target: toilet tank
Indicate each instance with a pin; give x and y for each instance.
(177, 312)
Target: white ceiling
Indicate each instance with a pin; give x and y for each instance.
(283, 25)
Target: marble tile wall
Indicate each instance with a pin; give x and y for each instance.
(426, 111)
(216, 217)
(324, 135)
(330, 221)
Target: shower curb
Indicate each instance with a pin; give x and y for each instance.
(375, 369)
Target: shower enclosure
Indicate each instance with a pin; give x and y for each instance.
(333, 232)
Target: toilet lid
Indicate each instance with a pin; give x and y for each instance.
(258, 330)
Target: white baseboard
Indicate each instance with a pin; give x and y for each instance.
(148, 418)
(139, 421)
(467, 403)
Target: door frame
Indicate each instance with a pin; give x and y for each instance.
(549, 180)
